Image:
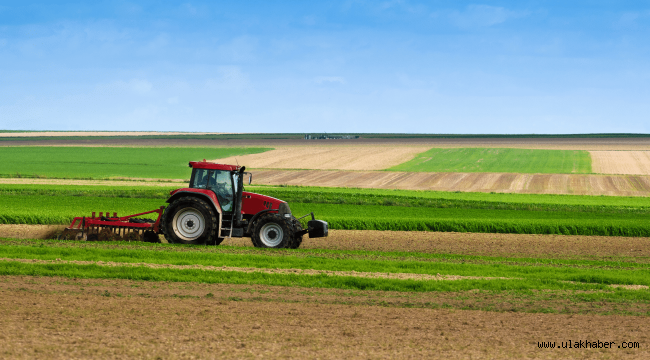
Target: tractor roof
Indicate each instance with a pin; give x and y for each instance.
(213, 166)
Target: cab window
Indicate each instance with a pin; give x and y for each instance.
(200, 179)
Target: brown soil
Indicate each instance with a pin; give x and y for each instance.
(479, 244)
(621, 162)
(563, 144)
(71, 318)
(575, 184)
(329, 157)
(612, 185)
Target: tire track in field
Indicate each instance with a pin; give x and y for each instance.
(310, 272)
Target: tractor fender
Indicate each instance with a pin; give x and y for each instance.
(249, 228)
(211, 198)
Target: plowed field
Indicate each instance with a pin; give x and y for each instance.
(329, 157)
(58, 318)
(614, 185)
(621, 162)
(575, 184)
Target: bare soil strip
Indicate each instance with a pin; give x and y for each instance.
(361, 274)
(575, 184)
(329, 157)
(58, 318)
(613, 185)
(621, 162)
(548, 143)
(478, 244)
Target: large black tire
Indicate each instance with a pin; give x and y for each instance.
(272, 231)
(190, 220)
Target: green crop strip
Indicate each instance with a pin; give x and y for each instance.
(633, 276)
(308, 281)
(499, 160)
(107, 162)
(53, 209)
(618, 263)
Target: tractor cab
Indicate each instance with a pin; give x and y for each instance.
(222, 182)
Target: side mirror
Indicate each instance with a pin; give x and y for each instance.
(250, 178)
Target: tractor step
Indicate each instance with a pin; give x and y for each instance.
(236, 232)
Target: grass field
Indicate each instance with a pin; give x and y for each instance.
(360, 210)
(108, 162)
(499, 160)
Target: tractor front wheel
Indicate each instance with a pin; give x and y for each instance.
(190, 220)
(272, 231)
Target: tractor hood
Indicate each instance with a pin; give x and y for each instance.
(253, 203)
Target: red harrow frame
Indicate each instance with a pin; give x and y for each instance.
(106, 227)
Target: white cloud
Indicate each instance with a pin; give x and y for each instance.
(632, 18)
(139, 86)
(329, 80)
(483, 15)
(391, 3)
(230, 78)
(239, 49)
(134, 86)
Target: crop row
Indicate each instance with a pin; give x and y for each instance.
(61, 209)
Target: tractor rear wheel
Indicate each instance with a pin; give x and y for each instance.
(190, 220)
(272, 231)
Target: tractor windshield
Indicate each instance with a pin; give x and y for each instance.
(218, 181)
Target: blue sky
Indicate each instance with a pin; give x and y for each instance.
(326, 66)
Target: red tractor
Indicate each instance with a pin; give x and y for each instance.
(213, 207)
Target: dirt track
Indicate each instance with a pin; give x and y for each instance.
(68, 318)
(504, 245)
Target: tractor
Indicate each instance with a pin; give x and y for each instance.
(214, 207)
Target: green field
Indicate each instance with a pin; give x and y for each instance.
(360, 210)
(499, 160)
(108, 162)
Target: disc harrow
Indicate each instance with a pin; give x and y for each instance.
(113, 228)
